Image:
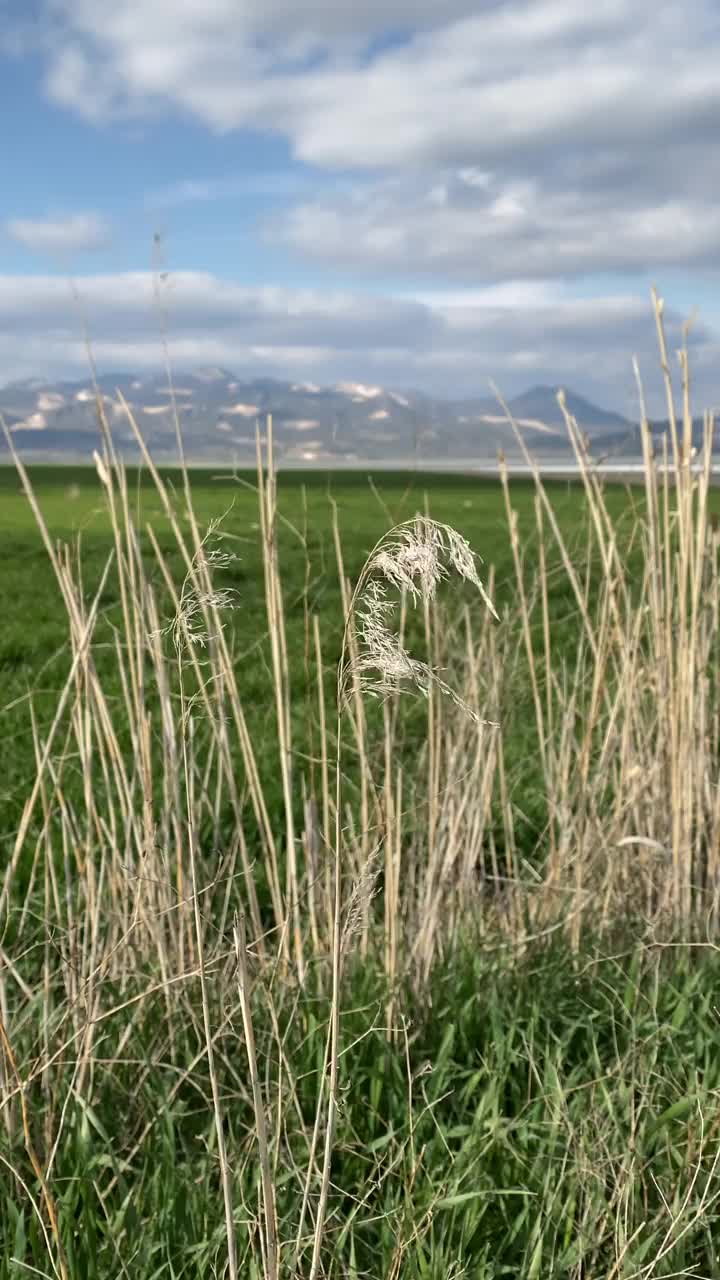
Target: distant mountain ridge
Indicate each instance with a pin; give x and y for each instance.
(345, 423)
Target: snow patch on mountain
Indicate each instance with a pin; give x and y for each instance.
(359, 391)
(50, 401)
(33, 422)
(242, 410)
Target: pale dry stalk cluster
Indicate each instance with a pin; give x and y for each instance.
(143, 891)
(629, 738)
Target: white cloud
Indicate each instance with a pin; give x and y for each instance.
(504, 229)
(511, 293)
(450, 345)
(60, 236)
(461, 86)
(532, 138)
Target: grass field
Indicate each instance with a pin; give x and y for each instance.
(299, 983)
(33, 638)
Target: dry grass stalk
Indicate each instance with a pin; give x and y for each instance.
(281, 680)
(48, 1198)
(643, 708)
(269, 1216)
(187, 634)
(409, 558)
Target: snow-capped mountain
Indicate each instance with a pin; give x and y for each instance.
(348, 422)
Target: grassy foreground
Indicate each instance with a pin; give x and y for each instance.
(299, 982)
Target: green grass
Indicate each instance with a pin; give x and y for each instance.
(538, 1117)
(33, 636)
(530, 1115)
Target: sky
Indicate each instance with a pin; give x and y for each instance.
(403, 192)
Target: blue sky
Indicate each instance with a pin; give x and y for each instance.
(402, 192)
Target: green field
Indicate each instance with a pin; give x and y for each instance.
(33, 637)
(518, 1098)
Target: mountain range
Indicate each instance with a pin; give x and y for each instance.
(346, 424)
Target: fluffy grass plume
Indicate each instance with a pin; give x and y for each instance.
(411, 558)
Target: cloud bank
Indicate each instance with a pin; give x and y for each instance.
(449, 346)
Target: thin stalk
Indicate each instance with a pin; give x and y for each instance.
(200, 943)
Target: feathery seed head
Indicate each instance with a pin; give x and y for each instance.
(409, 558)
(363, 891)
(198, 598)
